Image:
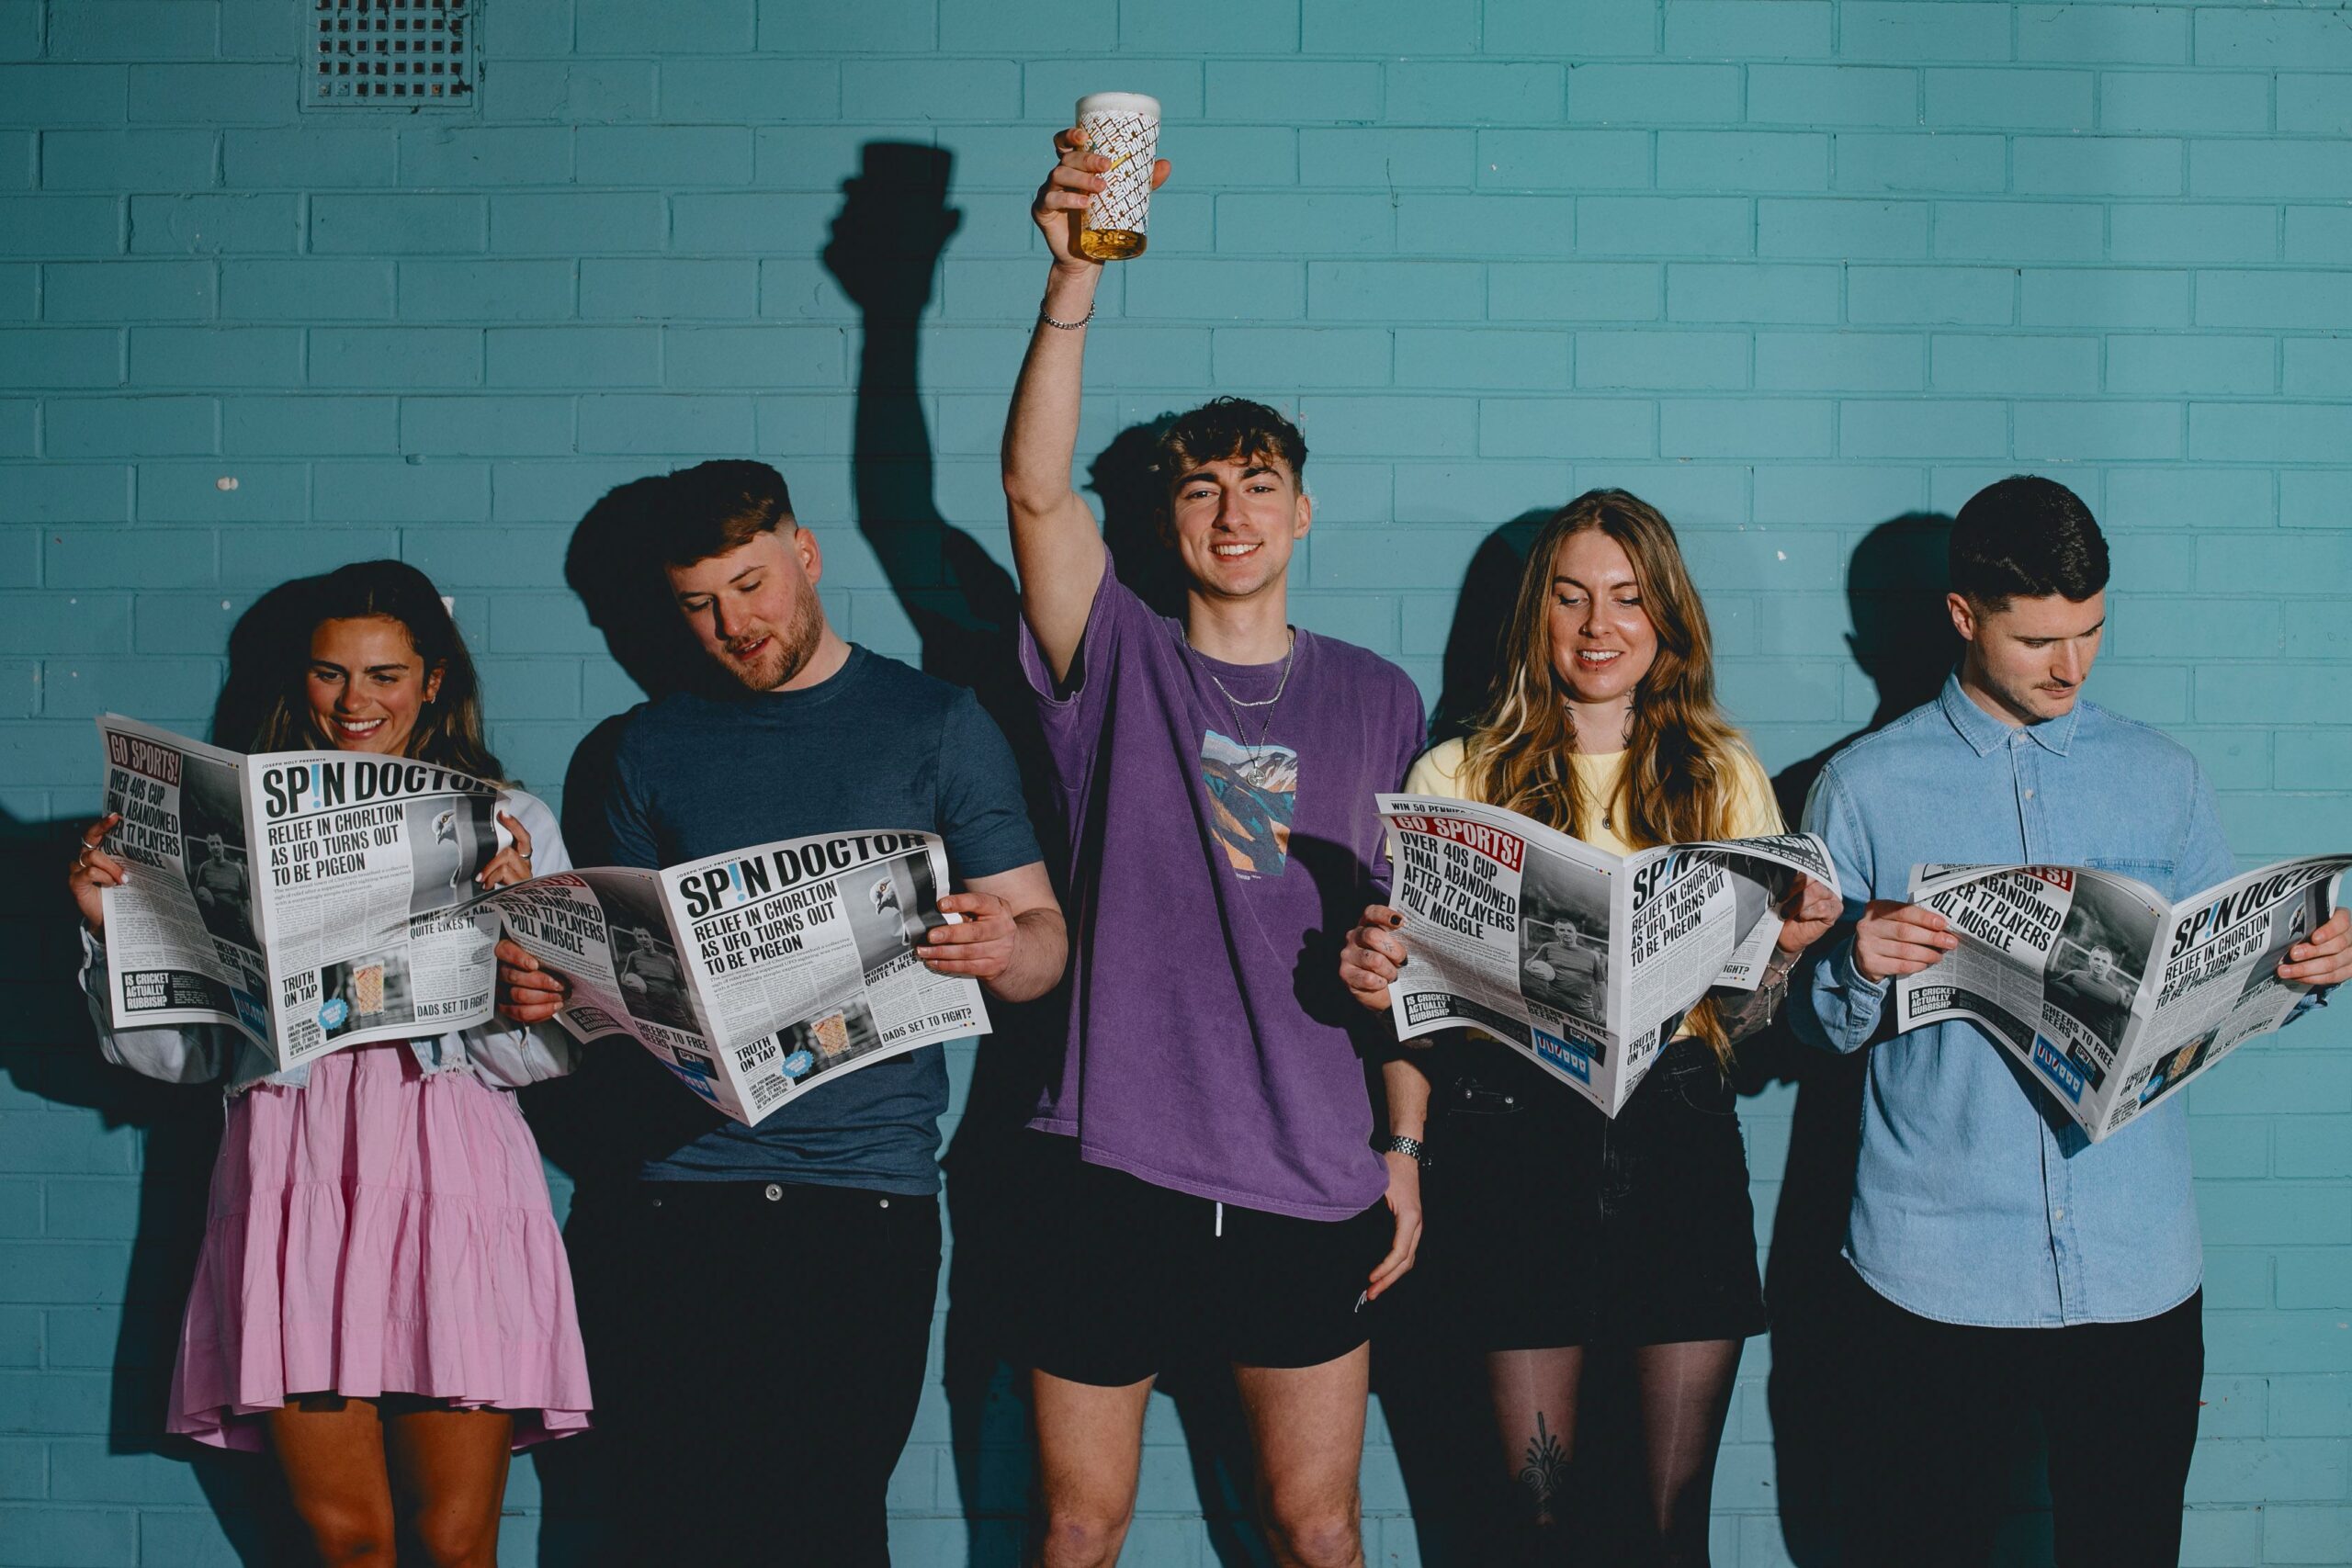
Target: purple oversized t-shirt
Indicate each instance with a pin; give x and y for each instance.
(1219, 853)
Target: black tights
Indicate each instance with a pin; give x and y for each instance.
(1684, 1392)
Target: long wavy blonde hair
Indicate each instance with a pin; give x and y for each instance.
(1683, 756)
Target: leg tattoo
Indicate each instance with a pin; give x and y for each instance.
(1545, 1469)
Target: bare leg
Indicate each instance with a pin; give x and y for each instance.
(1307, 1424)
(1534, 1394)
(1685, 1394)
(331, 1451)
(1089, 1442)
(448, 1469)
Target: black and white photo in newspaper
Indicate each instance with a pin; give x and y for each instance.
(182, 943)
(648, 974)
(605, 934)
(2097, 958)
(1564, 929)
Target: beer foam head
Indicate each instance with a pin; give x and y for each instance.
(1141, 103)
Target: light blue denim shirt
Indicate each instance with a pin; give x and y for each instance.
(1975, 1201)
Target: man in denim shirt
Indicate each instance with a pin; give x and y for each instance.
(2011, 1265)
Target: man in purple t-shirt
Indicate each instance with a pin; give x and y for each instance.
(1222, 1193)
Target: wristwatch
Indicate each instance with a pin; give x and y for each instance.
(1411, 1149)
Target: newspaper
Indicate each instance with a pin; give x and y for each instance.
(752, 975)
(313, 899)
(1582, 960)
(2110, 994)
(756, 975)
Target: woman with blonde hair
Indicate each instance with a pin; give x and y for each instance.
(382, 1299)
(1553, 1230)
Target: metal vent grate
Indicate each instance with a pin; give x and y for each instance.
(406, 52)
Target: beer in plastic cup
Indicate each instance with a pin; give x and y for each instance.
(367, 990)
(1124, 128)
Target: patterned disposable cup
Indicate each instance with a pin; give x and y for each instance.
(367, 988)
(1124, 127)
(832, 1034)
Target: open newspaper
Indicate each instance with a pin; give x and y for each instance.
(2109, 994)
(1581, 960)
(752, 975)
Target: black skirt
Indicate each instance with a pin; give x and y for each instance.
(1551, 1225)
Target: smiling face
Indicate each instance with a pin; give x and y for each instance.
(2027, 660)
(754, 608)
(1602, 638)
(367, 684)
(1235, 520)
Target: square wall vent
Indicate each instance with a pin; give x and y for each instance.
(390, 53)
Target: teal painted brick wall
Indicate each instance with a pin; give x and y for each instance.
(1790, 267)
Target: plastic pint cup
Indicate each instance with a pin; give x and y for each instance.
(1124, 128)
(367, 990)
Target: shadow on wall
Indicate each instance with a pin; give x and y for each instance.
(48, 1054)
(1902, 640)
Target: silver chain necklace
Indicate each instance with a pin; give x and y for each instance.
(1235, 705)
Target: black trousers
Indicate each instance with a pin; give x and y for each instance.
(1946, 1406)
(765, 1371)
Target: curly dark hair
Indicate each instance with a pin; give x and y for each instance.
(1228, 428)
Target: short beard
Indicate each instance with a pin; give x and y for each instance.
(788, 653)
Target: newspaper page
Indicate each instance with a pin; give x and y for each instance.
(757, 974)
(312, 899)
(1582, 960)
(367, 885)
(804, 955)
(183, 932)
(2111, 996)
(608, 933)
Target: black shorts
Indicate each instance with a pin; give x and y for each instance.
(1127, 1279)
(1550, 1226)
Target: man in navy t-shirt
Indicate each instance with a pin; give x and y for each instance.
(791, 1267)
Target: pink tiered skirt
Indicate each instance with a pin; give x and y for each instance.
(378, 1232)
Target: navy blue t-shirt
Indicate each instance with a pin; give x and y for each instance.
(879, 745)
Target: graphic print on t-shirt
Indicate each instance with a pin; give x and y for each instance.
(1252, 792)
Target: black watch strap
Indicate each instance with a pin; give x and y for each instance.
(1398, 1143)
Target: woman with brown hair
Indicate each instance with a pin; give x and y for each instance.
(382, 1299)
(1552, 1229)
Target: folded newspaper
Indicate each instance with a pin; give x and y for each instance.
(1581, 960)
(753, 976)
(2109, 993)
